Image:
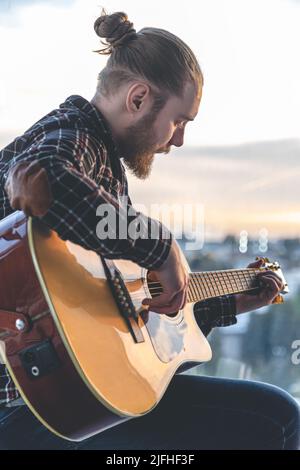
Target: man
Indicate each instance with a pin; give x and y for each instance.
(66, 165)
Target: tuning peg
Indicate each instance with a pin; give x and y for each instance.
(278, 299)
(265, 260)
(275, 266)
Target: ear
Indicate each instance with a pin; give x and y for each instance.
(138, 98)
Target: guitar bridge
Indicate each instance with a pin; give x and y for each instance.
(126, 307)
(123, 300)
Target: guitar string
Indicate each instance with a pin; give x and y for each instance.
(222, 276)
(155, 287)
(237, 282)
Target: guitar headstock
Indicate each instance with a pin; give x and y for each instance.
(275, 266)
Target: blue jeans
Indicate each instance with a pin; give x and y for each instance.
(195, 413)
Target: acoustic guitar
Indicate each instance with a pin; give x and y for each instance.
(82, 350)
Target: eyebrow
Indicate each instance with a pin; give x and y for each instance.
(187, 118)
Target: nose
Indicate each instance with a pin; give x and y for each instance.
(177, 138)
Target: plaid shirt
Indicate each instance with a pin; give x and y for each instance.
(75, 146)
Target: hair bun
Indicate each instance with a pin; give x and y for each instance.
(115, 28)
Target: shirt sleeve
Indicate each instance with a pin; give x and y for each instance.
(8, 390)
(219, 311)
(74, 213)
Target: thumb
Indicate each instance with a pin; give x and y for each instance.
(158, 301)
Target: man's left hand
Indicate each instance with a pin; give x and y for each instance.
(271, 286)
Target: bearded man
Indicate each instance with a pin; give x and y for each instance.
(68, 164)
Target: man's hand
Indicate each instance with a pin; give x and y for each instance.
(173, 276)
(28, 189)
(271, 287)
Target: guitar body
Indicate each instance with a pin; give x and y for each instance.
(75, 361)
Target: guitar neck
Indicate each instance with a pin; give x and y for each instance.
(210, 284)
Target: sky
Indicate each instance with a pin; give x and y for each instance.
(247, 187)
(249, 54)
(248, 50)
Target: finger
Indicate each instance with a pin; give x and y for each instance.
(16, 203)
(40, 207)
(278, 281)
(184, 300)
(270, 286)
(268, 272)
(27, 211)
(271, 279)
(162, 307)
(158, 301)
(33, 167)
(165, 301)
(272, 275)
(167, 308)
(177, 303)
(40, 176)
(40, 211)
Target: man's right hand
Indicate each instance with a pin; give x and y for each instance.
(173, 276)
(28, 189)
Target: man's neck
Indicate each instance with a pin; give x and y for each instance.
(111, 115)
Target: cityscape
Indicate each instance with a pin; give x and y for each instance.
(261, 345)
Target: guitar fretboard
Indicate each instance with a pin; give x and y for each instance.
(209, 284)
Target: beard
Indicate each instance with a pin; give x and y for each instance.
(138, 146)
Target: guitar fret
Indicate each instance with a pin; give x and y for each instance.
(199, 288)
(209, 284)
(213, 283)
(241, 284)
(202, 287)
(243, 280)
(228, 282)
(205, 286)
(236, 282)
(217, 285)
(194, 290)
(221, 284)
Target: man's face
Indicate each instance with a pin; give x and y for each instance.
(158, 131)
